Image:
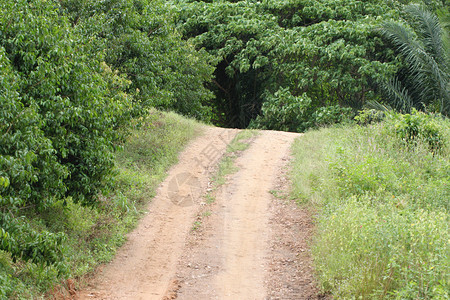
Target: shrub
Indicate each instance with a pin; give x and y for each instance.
(286, 112)
(72, 104)
(62, 115)
(369, 116)
(283, 111)
(333, 114)
(419, 126)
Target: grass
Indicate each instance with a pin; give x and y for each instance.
(197, 225)
(381, 206)
(226, 166)
(94, 233)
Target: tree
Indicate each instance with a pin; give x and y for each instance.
(62, 116)
(325, 50)
(424, 82)
(139, 40)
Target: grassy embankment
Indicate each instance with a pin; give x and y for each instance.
(94, 233)
(380, 195)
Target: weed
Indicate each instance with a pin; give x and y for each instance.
(226, 166)
(210, 198)
(197, 225)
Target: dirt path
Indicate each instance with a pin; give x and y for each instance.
(238, 250)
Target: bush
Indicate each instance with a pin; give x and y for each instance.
(62, 115)
(283, 111)
(333, 114)
(286, 112)
(70, 100)
(369, 116)
(419, 126)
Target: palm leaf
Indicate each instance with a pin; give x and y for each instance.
(428, 28)
(406, 42)
(427, 79)
(398, 95)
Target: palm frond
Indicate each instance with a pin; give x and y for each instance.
(429, 30)
(427, 80)
(397, 94)
(374, 104)
(406, 42)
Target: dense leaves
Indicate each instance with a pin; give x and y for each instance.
(325, 50)
(424, 82)
(61, 120)
(138, 38)
(69, 91)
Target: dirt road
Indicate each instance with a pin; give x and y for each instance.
(246, 245)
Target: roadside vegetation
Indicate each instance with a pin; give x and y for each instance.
(90, 235)
(380, 196)
(80, 79)
(225, 168)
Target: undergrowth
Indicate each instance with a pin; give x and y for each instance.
(91, 235)
(380, 194)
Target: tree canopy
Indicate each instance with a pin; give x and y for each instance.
(326, 51)
(139, 39)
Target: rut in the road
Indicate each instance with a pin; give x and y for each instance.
(246, 218)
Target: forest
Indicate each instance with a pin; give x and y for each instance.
(78, 78)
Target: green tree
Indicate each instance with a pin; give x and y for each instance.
(326, 50)
(138, 39)
(62, 116)
(424, 82)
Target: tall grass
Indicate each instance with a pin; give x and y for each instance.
(94, 233)
(381, 204)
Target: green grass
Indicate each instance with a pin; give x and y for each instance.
(381, 206)
(226, 166)
(94, 233)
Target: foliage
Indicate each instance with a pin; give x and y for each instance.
(138, 39)
(369, 116)
(419, 126)
(285, 112)
(424, 83)
(325, 51)
(382, 207)
(62, 115)
(92, 234)
(67, 99)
